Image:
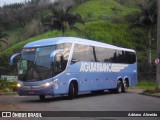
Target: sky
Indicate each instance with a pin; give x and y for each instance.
(3, 2)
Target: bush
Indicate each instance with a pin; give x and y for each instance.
(6, 86)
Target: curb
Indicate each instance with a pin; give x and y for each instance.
(150, 95)
(8, 93)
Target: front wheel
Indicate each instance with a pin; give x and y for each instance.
(71, 92)
(42, 97)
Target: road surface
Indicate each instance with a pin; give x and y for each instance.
(130, 101)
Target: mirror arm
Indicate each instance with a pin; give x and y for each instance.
(12, 59)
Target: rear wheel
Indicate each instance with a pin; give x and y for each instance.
(42, 97)
(124, 87)
(119, 87)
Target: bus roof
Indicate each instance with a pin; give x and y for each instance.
(58, 40)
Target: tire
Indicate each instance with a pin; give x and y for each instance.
(71, 93)
(76, 92)
(119, 87)
(124, 87)
(42, 97)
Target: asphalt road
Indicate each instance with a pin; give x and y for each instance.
(130, 101)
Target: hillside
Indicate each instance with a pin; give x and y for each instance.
(99, 17)
(95, 10)
(104, 21)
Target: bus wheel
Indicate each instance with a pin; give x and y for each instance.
(71, 92)
(42, 97)
(124, 87)
(119, 87)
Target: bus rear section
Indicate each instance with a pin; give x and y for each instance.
(100, 68)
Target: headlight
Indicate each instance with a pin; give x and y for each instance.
(48, 84)
(19, 85)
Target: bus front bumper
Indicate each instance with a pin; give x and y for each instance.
(35, 90)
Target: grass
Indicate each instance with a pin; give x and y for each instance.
(108, 32)
(103, 9)
(154, 92)
(146, 85)
(149, 88)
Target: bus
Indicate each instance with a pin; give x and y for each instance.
(70, 65)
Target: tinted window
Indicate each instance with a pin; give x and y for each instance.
(105, 54)
(120, 56)
(114, 56)
(130, 57)
(83, 53)
(86, 53)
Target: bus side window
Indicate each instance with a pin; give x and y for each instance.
(83, 53)
(130, 57)
(120, 56)
(66, 51)
(105, 54)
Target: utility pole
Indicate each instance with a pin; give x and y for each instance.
(158, 46)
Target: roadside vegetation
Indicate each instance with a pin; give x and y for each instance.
(7, 87)
(148, 87)
(155, 92)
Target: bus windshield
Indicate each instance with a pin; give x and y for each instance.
(35, 64)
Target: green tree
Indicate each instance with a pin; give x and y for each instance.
(63, 18)
(158, 46)
(3, 38)
(146, 20)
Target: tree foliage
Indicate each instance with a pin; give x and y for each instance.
(62, 18)
(145, 19)
(3, 36)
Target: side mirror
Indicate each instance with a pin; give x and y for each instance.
(14, 59)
